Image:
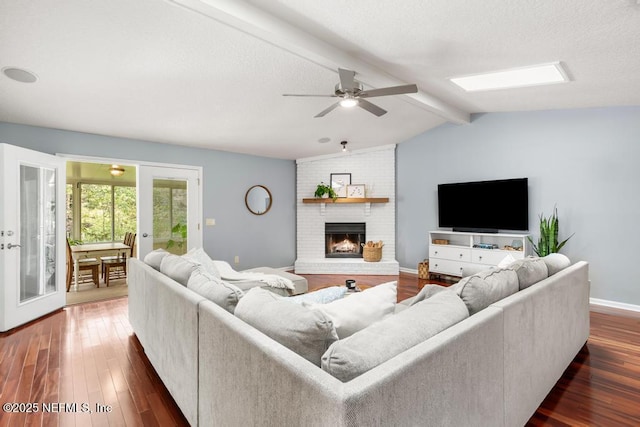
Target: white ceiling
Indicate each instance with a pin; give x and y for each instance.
(158, 71)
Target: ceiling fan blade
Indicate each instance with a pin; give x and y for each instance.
(327, 110)
(372, 108)
(320, 96)
(346, 79)
(394, 90)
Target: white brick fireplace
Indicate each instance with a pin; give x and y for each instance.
(374, 168)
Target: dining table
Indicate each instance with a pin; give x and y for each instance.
(96, 250)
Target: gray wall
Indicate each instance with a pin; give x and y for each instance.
(584, 161)
(258, 240)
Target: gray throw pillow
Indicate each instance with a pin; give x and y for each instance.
(222, 293)
(427, 292)
(529, 270)
(178, 268)
(483, 289)
(381, 341)
(200, 257)
(556, 262)
(154, 258)
(303, 330)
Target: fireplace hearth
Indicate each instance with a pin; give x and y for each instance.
(344, 239)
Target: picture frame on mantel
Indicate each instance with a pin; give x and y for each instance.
(339, 183)
(356, 191)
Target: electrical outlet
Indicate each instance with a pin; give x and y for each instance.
(237, 259)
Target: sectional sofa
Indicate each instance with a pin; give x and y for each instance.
(492, 368)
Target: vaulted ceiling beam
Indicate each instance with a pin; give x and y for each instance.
(271, 29)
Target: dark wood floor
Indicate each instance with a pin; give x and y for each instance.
(88, 354)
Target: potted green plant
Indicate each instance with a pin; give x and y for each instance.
(324, 191)
(181, 229)
(548, 241)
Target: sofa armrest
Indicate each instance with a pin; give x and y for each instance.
(164, 316)
(545, 326)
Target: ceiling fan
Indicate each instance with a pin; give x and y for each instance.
(351, 93)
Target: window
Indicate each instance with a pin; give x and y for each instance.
(106, 212)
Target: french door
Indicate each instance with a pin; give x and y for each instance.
(32, 246)
(169, 209)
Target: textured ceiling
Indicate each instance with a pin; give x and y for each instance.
(153, 70)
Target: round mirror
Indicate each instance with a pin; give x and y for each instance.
(258, 200)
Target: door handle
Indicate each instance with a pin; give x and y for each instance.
(146, 235)
(11, 246)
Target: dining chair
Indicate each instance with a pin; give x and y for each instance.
(118, 265)
(84, 264)
(109, 258)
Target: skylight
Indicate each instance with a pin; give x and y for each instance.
(534, 75)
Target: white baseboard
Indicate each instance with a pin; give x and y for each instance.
(409, 270)
(614, 304)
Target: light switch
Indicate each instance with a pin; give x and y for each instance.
(210, 222)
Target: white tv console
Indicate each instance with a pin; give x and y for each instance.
(460, 252)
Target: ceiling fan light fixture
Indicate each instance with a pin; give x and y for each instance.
(116, 170)
(534, 75)
(348, 102)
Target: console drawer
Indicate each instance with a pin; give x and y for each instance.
(445, 266)
(452, 253)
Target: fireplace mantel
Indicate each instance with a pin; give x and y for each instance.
(348, 200)
(366, 201)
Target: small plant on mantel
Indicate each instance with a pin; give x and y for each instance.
(548, 241)
(324, 191)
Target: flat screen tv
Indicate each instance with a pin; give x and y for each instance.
(484, 206)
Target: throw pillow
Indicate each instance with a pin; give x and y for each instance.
(366, 349)
(321, 296)
(304, 331)
(222, 293)
(483, 289)
(359, 310)
(199, 256)
(154, 258)
(427, 292)
(556, 262)
(506, 261)
(178, 268)
(529, 270)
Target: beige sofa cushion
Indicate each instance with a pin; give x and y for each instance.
(303, 330)
(178, 268)
(529, 270)
(483, 289)
(366, 349)
(222, 293)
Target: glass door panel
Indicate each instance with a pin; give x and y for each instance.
(32, 248)
(169, 212)
(170, 207)
(37, 232)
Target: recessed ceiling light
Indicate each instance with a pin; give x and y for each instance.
(324, 140)
(19, 75)
(534, 75)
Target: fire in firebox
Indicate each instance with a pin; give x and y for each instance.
(343, 240)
